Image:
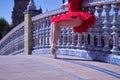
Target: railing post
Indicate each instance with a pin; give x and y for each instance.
(28, 27)
(28, 37)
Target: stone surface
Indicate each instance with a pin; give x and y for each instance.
(45, 67)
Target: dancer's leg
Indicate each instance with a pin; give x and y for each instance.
(55, 32)
(70, 23)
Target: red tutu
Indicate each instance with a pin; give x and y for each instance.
(76, 14)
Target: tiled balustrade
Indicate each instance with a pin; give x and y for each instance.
(13, 42)
(100, 42)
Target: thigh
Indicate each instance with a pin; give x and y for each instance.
(70, 23)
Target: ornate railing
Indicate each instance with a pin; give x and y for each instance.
(13, 42)
(103, 37)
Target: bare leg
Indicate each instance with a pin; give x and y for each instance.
(55, 32)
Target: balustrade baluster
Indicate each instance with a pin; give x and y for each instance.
(116, 29)
(106, 27)
(85, 44)
(64, 37)
(34, 34)
(44, 33)
(99, 27)
(60, 42)
(22, 45)
(17, 39)
(18, 51)
(37, 34)
(47, 32)
(9, 44)
(79, 44)
(68, 38)
(21, 40)
(40, 33)
(14, 43)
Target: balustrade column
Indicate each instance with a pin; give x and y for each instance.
(35, 34)
(40, 32)
(60, 42)
(79, 44)
(99, 26)
(64, 37)
(28, 29)
(28, 38)
(22, 40)
(43, 33)
(16, 41)
(47, 33)
(73, 39)
(106, 27)
(85, 44)
(115, 28)
(68, 37)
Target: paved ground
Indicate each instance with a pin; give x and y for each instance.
(44, 67)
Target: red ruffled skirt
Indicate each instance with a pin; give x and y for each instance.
(87, 18)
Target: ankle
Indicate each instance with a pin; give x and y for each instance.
(53, 46)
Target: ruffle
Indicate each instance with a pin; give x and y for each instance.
(88, 19)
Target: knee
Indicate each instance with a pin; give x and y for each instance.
(54, 24)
